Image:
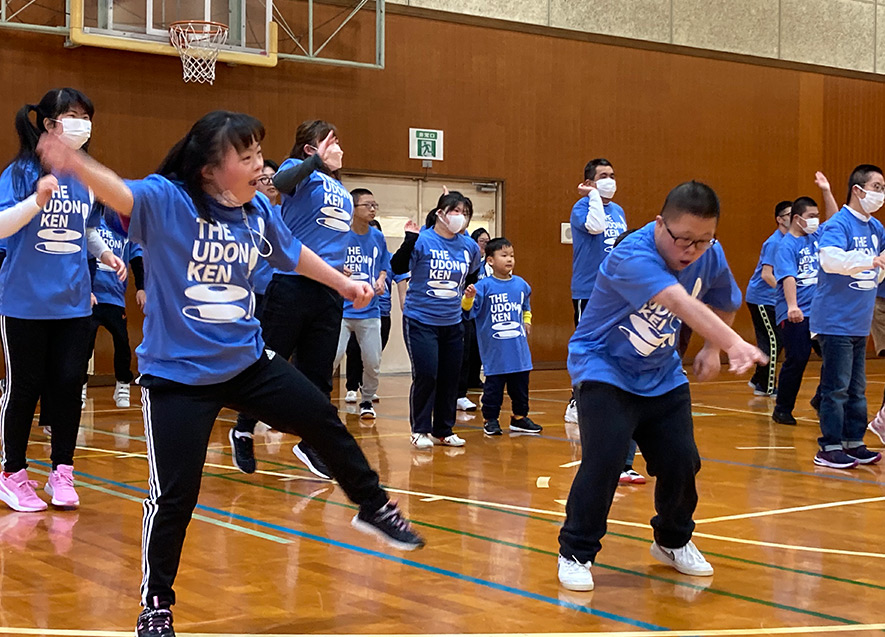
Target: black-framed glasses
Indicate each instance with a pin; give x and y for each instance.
(265, 180)
(370, 206)
(682, 242)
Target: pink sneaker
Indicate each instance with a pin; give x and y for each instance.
(61, 487)
(877, 426)
(19, 493)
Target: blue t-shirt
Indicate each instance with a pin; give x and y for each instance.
(201, 328)
(796, 257)
(626, 340)
(263, 273)
(500, 331)
(758, 291)
(843, 305)
(46, 271)
(367, 257)
(588, 250)
(106, 286)
(319, 214)
(439, 269)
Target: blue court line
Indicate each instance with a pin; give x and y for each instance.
(397, 560)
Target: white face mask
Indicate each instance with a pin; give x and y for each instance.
(454, 222)
(872, 202)
(75, 132)
(811, 225)
(606, 187)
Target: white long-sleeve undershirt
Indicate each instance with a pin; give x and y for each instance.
(594, 222)
(18, 216)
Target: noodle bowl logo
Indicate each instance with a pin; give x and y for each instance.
(654, 326)
(55, 219)
(215, 303)
(337, 209)
(442, 267)
(59, 241)
(502, 311)
(868, 279)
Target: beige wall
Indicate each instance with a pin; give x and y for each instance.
(841, 34)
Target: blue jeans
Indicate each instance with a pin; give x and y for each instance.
(843, 405)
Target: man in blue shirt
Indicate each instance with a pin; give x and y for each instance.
(851, 265)
(629, 382)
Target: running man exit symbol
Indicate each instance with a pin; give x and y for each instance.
(425, 144)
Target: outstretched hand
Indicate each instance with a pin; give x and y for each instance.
(821, 181)
(55, 154)
(359, 292)
(411, 226)
(743, 356)
(330, 152)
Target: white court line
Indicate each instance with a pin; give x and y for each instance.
(715, 632)
(752, 448)
(543, 482)
(570, 464)
(810, 507)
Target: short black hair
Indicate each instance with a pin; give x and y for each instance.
(801, 205)
(592, 165)
(780, 207)
(693, 198)
(374, 223)
(861, 175)
(476, 234)
(270, 163)
(360, 192)
(498, 243)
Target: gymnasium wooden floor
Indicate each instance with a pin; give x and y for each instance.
(797, 549)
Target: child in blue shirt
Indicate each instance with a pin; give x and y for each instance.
(629, 381)
(501, 306)
(110, 295)
(368, 259)
(442, 262)
(796, 272)
(48, 221)
(201, 227)
(851, 265)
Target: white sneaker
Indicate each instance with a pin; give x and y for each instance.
(877, 426)
(422, 441)
(571, 412)
(375, 398)
(575, 576)
(465, 404)
(350, 397)
(688, 560)
(367, 412)
(121, 395)
(452, 441)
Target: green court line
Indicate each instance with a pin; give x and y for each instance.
(617, 569)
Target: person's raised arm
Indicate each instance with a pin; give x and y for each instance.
(104, 182)
(830, 205)
(18, 216)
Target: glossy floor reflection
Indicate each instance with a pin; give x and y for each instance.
(796, 548)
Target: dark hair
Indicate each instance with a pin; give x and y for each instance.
(360, 192)
(446, 203)
(311, 133)
(592, 165)
(270, 163)
(859, 176)
(801, 205)
(204, 145)
(374, 223)
(27, 169)
(496, 244)
(780, 207)
(693, 198)
(623, 236)
(476, 234)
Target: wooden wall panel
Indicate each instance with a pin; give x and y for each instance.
(529, 109)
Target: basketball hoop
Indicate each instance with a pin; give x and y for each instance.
(198, 43)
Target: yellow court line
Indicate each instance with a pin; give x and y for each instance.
(716, 632)
(810, 507)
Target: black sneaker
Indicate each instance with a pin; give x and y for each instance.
(367, 411)
(815, 403)
(155, 622)
(492, 428)
(311, 460)
(525, 425)
(782, 417)
(242, 451)
(389, 524)
(835, 459)
(863, 455)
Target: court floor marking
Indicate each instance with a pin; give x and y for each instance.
(810, 507)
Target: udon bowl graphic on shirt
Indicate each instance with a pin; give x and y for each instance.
(216, 303)
(443, 289)
(866, 280)
(654, 326)
(59, 241)
(334, 219)
(507, 329)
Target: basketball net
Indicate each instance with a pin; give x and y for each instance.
(198, 43)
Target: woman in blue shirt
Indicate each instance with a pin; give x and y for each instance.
(48, 222)
(201, 229)
(442, 261)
